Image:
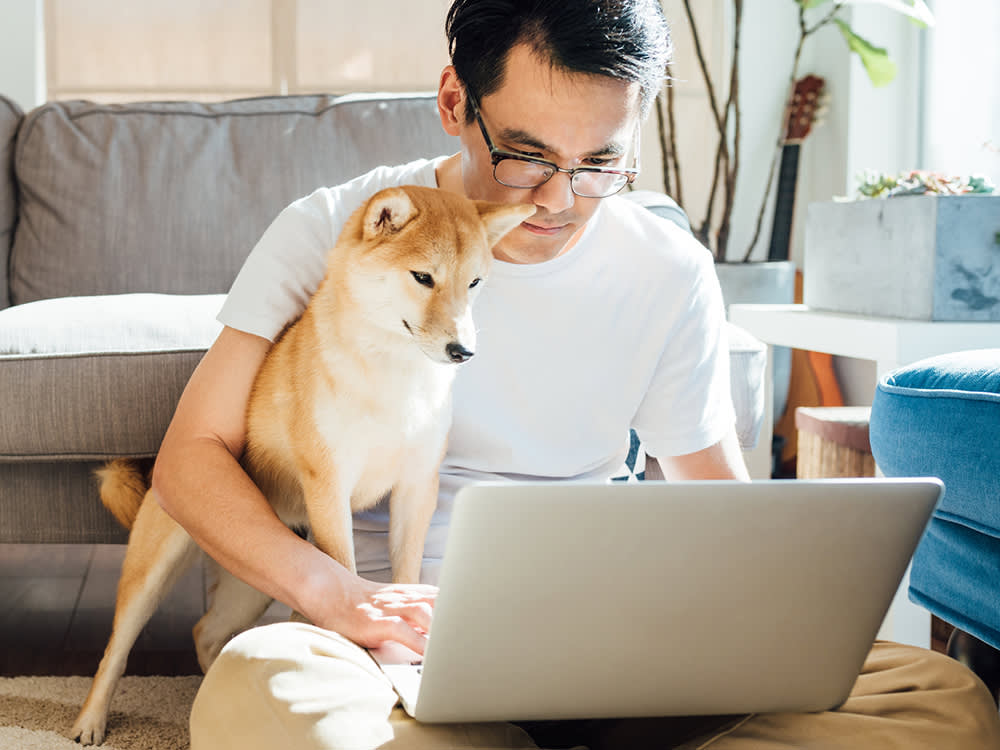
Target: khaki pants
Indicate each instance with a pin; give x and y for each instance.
(296, 685)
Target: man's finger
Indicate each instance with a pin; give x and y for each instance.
(398, 630)
(412, 590)
(416, 614)
(384, 598)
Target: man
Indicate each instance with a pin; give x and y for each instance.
(597, 316)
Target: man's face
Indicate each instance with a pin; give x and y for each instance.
(571, 119)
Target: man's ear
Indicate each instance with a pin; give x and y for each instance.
(451, 101)
(387, 212)
(500, 218)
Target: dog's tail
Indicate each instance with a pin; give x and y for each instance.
(123, 485)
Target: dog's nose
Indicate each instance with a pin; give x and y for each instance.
(457, 353)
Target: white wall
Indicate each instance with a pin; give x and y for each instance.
(766, 56)
(963, 90)
(22, 52)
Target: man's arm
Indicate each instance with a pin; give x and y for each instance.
(724, 460)
(198, 480)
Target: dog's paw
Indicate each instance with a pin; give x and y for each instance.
(207, 646)
(88, 730)
(208, 651)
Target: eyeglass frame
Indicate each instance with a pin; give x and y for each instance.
(498, 155)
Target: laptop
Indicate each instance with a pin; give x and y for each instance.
(565, 600)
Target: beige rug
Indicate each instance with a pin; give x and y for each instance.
(147, 713)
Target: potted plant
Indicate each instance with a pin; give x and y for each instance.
(938, 239)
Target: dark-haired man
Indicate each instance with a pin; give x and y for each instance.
(546, 97)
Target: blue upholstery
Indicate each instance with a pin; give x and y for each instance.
(941, 417)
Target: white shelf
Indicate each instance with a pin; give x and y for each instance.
(890, 342)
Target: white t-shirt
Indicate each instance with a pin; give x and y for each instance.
(625, 330)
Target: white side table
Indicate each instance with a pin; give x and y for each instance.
(890, 343)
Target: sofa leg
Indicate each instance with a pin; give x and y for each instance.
(980, 657)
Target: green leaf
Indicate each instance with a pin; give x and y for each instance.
(807, 4)
(881, 70)
(917, 10)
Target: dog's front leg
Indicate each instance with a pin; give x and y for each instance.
(411, 507)
(328, 505)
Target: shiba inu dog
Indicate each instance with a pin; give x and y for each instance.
(352, 401)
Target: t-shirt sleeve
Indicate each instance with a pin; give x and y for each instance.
(688, 406)
(284, 269)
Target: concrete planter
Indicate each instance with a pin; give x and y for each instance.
(763, 283)
(921, 257)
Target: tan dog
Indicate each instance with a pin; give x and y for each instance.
(351, 402)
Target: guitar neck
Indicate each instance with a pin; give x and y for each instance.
(784, 206)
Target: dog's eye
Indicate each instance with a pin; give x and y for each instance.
(474, 283)
(423, 278)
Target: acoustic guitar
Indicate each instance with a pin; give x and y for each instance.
(813, 381)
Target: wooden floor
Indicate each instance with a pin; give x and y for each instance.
(57, 604)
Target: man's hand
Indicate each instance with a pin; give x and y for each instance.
(372, 613)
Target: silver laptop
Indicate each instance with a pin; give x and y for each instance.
(571, 600)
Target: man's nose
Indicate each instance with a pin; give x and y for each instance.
(556, 195)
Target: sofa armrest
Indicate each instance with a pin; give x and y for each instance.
(10, 120)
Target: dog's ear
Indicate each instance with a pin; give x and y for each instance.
(500, 218)
(388, 211)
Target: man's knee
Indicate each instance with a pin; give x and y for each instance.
(927, 669)
(292, 679)
(952, 675)
(298, 642)
(933, 689)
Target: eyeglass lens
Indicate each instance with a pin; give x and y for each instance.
(526, 174)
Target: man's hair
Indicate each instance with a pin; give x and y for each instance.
(624, 39)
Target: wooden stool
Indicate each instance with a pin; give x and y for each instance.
(833, 442)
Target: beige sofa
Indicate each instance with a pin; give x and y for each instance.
(121, 228)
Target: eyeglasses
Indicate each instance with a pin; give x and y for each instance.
(519, 171)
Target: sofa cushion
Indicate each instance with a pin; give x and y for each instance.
(96, 377)
(10, 119)
(940, 417)
(171, 197)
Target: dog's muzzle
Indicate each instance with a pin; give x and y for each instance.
(457, 353)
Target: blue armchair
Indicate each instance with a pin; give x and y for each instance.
(941, 417)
